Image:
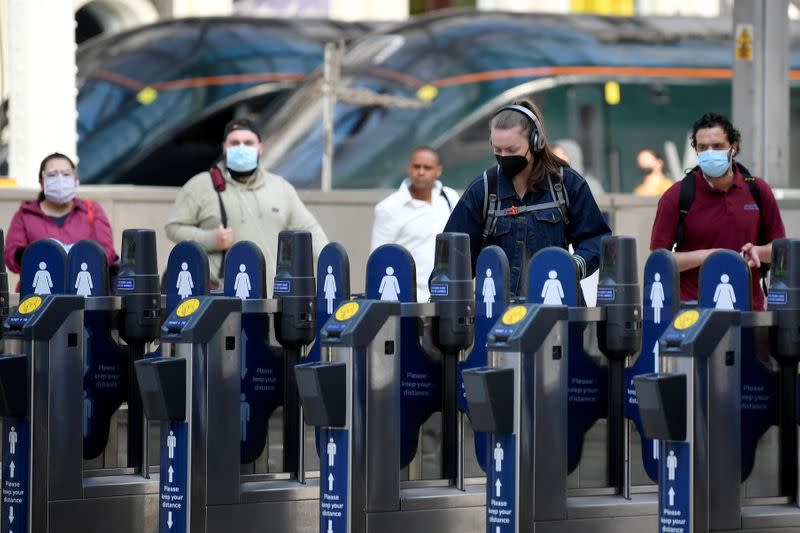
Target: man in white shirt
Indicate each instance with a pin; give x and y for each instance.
(416, 213)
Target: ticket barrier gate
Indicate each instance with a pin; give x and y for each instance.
(195, 390)
(50, 424)
(716, 452)
(522, 353)
(692, 405)
(354, 394)
(4, 296)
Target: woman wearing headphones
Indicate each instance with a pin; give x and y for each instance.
(531, 200)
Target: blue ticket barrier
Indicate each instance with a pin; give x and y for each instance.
(43, 269)
(725, 284)
(187, 273)
(333, 288)
(661, 299)
(105, 375)
(491, 299)
(391, 276)
(553, 279)
(261, 368)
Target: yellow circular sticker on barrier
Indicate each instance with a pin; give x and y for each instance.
(188, 307)
(346, 311)
(29, 305)
(686, 319)
(514, 315)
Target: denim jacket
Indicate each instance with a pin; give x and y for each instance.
(523, 235)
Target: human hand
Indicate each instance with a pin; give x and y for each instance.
(750, 254)
(224, 237)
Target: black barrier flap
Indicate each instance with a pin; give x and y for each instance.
(323, 391)
(187, 273)
(662, 404)
(13, 386)
(490, 394)
(43, 268)
(553, 279)
(162, 385)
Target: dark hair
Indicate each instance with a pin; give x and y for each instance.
(712, 120)
(54, 155)
(652, 152)
(424, 148)
(545, 162)
(240, 124)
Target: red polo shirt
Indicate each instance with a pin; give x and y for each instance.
(717, 219)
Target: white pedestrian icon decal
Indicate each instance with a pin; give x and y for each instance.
(87, 413)
(657, 297)
(724, 297)
(488, 291)
(185, 283)
(390, 287)
(242, 284)
(672, 465)
(552, 291)
(42, 282)
(83, 282)
(329, 289)
(244, 417)
(12, 441)
(331, 451)
(172, 441)
(498, 458)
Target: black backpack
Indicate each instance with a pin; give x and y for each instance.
(491, 202)
(687, 198)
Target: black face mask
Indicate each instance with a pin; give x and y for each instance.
(646, 170)
(511, 165)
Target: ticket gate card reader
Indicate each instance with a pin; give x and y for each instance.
(195, 393)
(41, 416)
(700, 467)
(353, 396)
(521, 400)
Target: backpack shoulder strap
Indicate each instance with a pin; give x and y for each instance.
(218, 181)
(490, 203)
(558, 191)
(446, 199)
(684, 204)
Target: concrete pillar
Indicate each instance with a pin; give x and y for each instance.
(760, 102)
(368, 10)
(42, 91)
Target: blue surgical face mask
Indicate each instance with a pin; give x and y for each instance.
(714, 163)
(241, 158)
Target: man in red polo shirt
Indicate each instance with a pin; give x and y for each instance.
(724, 214)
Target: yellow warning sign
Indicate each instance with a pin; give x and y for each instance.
(30, 304)
(346, 311)
(187, 307)
(744, 42)
(686, 319)
(514, 315)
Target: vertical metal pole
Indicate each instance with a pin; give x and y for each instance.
(328, 103)
(760, 98)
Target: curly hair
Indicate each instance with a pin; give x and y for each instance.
(712, 120)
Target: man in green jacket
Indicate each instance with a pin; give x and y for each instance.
(257, 204)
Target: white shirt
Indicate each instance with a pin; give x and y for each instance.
(414, 224)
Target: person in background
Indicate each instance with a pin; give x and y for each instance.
(571, 152)
(654, 181)
(57, 214)
(237, 200)
(414, 214)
